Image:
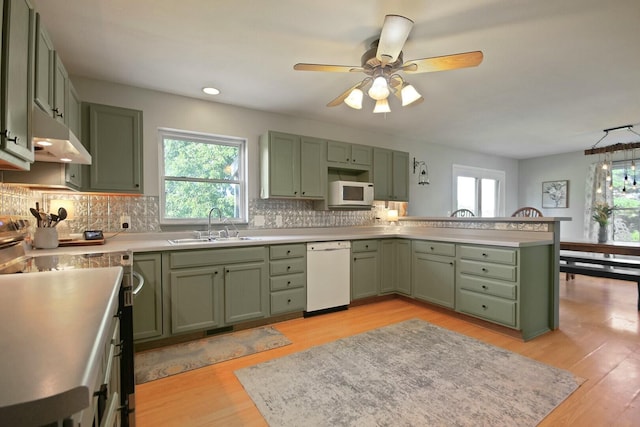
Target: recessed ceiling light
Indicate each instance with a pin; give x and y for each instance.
(44, 143)
(210, 90)
(65, 159)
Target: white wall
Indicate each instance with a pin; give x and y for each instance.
(178, 112)
(570, 166)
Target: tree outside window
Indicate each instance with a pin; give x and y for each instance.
(200, 172)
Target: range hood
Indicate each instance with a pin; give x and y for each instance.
(54, 142)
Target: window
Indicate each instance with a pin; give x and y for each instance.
(626, 202)
(199, 172)
(479, 190)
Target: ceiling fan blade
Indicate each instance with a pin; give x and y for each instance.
(340, 99)
(395, 31)
(443, 63)
(329, 68)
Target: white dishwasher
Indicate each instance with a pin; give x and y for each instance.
(328, 276)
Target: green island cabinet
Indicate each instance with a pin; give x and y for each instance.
(365, 277)
(114, 138)
(17, 63)
(390, 175)
(351, 156)
(434, 272)
(395, 260)
(292, 166)
(147, 316)
(508, 286)
(288, 278)
(216, 287)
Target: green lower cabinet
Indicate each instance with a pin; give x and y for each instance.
(147, 316)
(395, 274)
(196, 296)
(434, 279)
(246, 292)
(365, 280)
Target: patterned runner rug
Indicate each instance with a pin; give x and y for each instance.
(159, 363)
(408, 374)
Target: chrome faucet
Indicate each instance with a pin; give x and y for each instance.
(209, 223)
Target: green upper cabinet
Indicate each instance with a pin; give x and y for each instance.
(18, 33)
(114, 136)
(74, 111)
(292, 166)
(351, 156)
(60, 90)
(390, 175)
(44, 69)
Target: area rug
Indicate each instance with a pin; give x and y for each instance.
(163, 362)
(408, 374)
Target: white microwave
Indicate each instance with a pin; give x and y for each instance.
(350, 193)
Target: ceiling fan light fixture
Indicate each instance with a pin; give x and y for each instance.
(382, 106)
(379, 89)
(409, 94)
(354, 100)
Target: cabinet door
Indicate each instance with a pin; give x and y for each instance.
(246, 292)
(361, 155)
(388, 259)
(364, 275)
(73, 175)
(17, 79)
(147, 313)
(196, 299)
(313, 170)
(115, 144)
(382, 176)
(434, 279)
(60, 90)
(43, 89)
(403, 266)
(338, 152)
(400, 190)
(74, 111)
(284, 164)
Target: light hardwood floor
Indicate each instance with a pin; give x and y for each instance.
(598, 340)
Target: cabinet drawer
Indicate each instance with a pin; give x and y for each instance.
(435, 248)
(364, 245)
(289, 300)
(207, 257)
(288, 281)
(502, 256)
(287, 251)
(488, 307)
(489, 287)
(288, 266)
(486, 269)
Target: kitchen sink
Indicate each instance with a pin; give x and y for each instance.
(196, 240)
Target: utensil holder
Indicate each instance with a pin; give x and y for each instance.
(45, 238)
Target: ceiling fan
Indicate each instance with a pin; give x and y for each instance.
(382, 62)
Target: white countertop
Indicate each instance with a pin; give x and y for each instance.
(153, 242)
(54, 327)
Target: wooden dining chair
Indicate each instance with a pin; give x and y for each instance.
(462, 213)
(527, 211)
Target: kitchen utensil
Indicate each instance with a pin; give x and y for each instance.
(35, 213)
(54, 219)
(62, 213)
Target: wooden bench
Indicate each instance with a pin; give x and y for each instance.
(610, 268)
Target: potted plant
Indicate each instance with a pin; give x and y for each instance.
(601, 214)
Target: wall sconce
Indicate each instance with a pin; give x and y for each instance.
(423, 172)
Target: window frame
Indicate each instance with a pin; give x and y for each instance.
(620, 167)
(200, 137)
(479, 174)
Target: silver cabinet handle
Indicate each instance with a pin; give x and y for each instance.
(140, 278)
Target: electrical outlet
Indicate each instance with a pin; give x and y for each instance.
(125, 222)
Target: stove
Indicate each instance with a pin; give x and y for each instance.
(15, 260)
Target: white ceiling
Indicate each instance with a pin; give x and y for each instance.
(555, 73)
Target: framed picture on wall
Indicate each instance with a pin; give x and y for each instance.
(555, 194)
